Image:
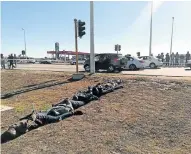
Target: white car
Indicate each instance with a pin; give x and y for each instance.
(134, 63)
(80, 61)
(31, 61)
(150, 62)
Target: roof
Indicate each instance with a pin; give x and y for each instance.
(108, 54)
(68, 52)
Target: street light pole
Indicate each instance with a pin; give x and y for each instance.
(171, 36)
(24, 40)
(150, 45)
(92, 61)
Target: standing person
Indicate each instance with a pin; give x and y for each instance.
(187, 56)
(176, 59)
(172, 59)
(167, 59)
(15, 61)
(11, 61)
(8, 61)
(158, 57)
(162, 57)
(2, 62)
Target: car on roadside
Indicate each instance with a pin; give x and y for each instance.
(150, 62)
(45, 62)
(80, 61)
(188, 64)
(133, 63)
(107, 61)
(31, 61)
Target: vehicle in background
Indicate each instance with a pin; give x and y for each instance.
(133, 63)
(107, 61)
(150, 62)
(45, 62)
(31, 61)
(188, 64)
(80, 61)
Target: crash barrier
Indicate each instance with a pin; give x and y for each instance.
(6, 63)
(35, 60)
(63, 109)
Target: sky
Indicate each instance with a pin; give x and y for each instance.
(124, 23)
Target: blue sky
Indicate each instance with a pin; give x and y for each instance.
(125, 23)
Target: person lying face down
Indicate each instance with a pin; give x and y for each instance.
(72, 103)
(106, 87)
(85, 96)
(37, 119)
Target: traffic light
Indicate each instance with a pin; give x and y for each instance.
(81, 28)
(23, 52)
(119, 47)
(115, 47)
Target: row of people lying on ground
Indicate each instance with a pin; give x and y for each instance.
(61, 110)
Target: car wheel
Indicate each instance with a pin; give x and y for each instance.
(111, 68)
(132, 67)
(152, 65)
(87, 68)
(120, 69)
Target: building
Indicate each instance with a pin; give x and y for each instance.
(66, 54)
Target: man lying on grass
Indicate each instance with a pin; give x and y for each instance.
(60, 111)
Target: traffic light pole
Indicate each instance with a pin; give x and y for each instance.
(150, 43)
(117, 49)
(76, 43)
(171, 40)
(92, 60)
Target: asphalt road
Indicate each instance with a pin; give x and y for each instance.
(71, 68)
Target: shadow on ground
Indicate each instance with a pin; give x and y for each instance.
(38, 84)
(35, 87)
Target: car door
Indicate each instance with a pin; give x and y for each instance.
(97, 62)
(104, 61)
(150, 60)
(129, 62)
(146, 61)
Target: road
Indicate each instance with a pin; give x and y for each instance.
(50, 67)
(72, 68)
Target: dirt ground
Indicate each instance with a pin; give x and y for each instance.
(149, 115)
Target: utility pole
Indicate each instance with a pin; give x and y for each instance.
(150, 45)
(171, 39)
(76, 43)
(24, 40)
(92, 61)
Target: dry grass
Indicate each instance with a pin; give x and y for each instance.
(149, 115)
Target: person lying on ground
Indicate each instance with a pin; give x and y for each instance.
(106, 87)
(35, 120)
(73, 103)
(85, 96)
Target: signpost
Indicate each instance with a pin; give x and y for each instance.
(57, 50)
(76, 43)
